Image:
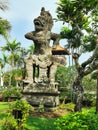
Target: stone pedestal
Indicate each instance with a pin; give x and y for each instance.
(45, 94)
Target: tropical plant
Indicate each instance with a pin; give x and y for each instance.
(20, 110)
(30, 49)
(81, 18)
(81, 34)
(64, 76)
(5, 26)
(11, 94)
(12, 48)
(86, 120)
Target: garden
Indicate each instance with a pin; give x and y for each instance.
(77, 90)
(59, 120)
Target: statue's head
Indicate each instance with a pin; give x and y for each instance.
(44, 21)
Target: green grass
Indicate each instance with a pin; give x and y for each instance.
(3, 106)
(3, 111)
(36, 123)
(33, 123)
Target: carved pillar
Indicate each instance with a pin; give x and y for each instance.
(53, 69)
(29, 69)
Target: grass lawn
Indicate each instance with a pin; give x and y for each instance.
(36, 123)
(3, 111)
(33, 123)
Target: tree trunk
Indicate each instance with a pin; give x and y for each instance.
(97, 96)
(84, 69)
(77, 85)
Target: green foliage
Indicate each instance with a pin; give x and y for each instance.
(81, 18)
(64, 76)
(86, 120)
(22, 105)
(16, 108)
(41, 108)
(16, 77)
(9, 123)
(4, 26)
(89, 86)
(70, 106)
(32, 122)
(11, 92)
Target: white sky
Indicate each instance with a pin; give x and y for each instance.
(21, 14)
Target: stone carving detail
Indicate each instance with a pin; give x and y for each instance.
(42, 34)
(41, 66)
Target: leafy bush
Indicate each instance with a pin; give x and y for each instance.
(86, 120)
(9, 123)
(18, 113)
(64, 75)
(89, 86)
(12, 92)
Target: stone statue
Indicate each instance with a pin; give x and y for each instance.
(39, 85)
(42, 34)
(42, 58)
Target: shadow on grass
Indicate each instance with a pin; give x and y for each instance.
(35, 123)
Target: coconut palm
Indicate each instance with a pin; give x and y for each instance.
(13, 49)
(3, 62)
(5, 26)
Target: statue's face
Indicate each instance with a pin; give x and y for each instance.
(40, 23)
(44, 21)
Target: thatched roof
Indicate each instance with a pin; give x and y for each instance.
(58, 50)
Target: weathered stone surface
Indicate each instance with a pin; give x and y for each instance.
(42, 88)
(46, 101)
(39, 84)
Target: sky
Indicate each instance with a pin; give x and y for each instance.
(21, 14)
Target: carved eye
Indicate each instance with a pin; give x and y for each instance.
(43, 22)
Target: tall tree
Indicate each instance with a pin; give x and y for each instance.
(3, 62)
(12, 48)
(81, 18)
(4, 24)
(30, 50)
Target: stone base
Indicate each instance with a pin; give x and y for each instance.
(46, 100)
(42, 94)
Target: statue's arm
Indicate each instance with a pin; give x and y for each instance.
(29, 35)
(56, 38)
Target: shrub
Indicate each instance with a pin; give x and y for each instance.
(18, 113)
(9, 123)
(86, 120)
(13, 92)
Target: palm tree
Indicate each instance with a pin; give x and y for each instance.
(12, 48)
(30, 50)
(5, 27)
(4, 24)
(3, 62)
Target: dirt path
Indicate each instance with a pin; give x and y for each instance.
(54, 114)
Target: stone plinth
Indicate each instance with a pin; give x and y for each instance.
(45, 94)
